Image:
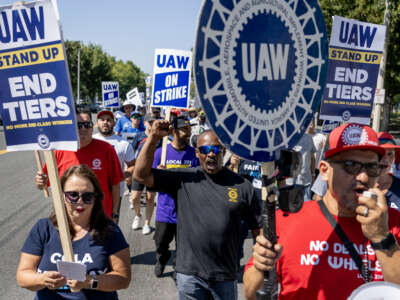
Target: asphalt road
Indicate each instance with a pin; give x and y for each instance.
(22, 205)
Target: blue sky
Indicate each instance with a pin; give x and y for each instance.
(130, 29)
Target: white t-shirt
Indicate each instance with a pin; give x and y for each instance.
(124, 152)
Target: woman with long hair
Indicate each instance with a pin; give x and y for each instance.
(97, 242)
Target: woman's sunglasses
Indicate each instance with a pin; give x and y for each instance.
(87, 198)
(208, 148)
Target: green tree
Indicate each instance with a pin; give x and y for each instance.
(129, 76)
(97, 66)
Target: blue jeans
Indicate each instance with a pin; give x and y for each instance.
(306, 190)
(191, 287)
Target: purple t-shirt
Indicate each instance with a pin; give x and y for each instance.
(166, 211)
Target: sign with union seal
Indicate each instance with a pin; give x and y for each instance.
(260, 70)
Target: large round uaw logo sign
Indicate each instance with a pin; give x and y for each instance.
(260, 70)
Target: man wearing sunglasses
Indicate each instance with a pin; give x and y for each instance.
(210, 202)
(350, 237)
(99, 156)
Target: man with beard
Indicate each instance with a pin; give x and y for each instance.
(333, 246)
(179, 155)
(98, 155)
(210, 203)
(105, 124)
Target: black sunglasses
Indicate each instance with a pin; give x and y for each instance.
(87, 125)
(354, 167)
(208, 148)
(87, 198)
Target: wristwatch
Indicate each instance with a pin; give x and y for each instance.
(385, 244)
(115, 216)
(94, 283)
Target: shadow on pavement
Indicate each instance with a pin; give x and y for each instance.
(148, 258)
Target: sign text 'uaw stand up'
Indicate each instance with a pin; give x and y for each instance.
(36, 98)
(260, 70)
(171, 84)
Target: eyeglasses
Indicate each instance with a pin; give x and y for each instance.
(354, 167)
(87, 125)
(87, 198)
(208, 148)
(136, 117)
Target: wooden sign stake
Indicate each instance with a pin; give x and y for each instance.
(165, 140)
(40, 168)
(59, 207)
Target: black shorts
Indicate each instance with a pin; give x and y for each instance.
(136, 186)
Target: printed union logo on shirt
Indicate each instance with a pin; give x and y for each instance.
(233, 195)
(260, 66)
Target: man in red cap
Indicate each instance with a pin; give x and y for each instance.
(98, 155)
(331, 247)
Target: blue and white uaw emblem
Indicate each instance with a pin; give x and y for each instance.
(260, 71)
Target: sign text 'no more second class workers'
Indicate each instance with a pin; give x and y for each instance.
(355, 54)
(35, 93)
(171, 78)
(260, 68)
(110, 91)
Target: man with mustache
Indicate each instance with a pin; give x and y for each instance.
(105, 124)
(210, 202)
(98, 155)
(350, 237)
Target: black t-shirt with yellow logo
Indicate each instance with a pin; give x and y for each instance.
(209, 210)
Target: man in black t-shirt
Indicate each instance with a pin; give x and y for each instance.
(210, 202)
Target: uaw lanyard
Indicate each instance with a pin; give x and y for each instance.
(345, 240)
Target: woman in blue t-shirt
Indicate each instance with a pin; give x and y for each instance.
(97, 242)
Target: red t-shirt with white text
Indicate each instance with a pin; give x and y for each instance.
(102, 159)
(315, 263)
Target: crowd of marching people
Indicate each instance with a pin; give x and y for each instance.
(207, 200)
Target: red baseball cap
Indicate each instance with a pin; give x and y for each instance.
(386, 140)
(353, 136)
(105, 112)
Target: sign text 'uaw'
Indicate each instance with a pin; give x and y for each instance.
(171, 78)
(260, 69)
(110, 92)
(35, 92)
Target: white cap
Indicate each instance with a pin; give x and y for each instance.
(128, 102)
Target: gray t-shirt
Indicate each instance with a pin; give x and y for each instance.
(306, 147)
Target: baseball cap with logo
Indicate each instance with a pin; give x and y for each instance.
(353, 136)
(105, 112)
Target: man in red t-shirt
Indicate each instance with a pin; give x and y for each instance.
(311, 259)
(99, 156)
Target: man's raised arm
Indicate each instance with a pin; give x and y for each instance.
(144, 161)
